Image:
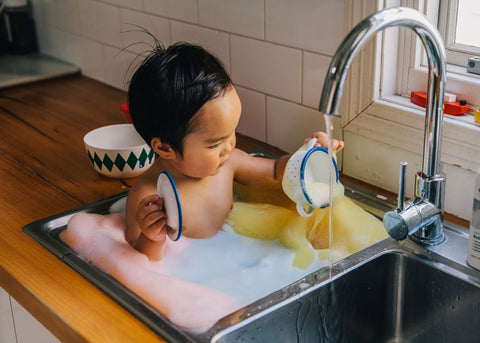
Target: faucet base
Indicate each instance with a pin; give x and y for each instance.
(431, 234)
(428, 242)
(420, 220)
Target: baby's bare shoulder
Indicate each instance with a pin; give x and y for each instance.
(145, 185)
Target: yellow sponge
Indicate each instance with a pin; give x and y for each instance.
(477, 116)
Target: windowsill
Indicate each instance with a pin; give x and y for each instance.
(467, 118)
(459, 82)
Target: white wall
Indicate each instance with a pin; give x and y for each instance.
(277, 51)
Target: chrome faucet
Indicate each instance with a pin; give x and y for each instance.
(421, 218)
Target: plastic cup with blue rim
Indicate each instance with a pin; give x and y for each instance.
(167, 190)
(306, 179)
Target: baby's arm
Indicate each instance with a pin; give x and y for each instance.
(266, 172)
(146, 223)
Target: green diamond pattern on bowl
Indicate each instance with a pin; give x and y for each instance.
(143, 157)
(132, 160)
(90, 157)
(151, 154)
(120, 162)
(107, 162)
(97, 161)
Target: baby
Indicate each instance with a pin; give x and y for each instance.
(183, 103)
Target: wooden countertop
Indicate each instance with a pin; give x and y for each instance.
(44, 170)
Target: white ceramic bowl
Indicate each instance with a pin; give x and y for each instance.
(118, 151)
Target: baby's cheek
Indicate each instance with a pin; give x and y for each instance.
(206, 165)
(212, 161)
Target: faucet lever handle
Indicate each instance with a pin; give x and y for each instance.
(401, 185)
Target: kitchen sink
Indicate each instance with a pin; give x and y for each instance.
(389, 292)
(398, 296)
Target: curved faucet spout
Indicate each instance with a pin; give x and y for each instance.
(430, 182)
(431, 39)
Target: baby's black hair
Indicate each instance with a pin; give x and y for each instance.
(169, 87)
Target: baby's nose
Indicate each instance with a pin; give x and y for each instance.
(228, 147)
(231, 144)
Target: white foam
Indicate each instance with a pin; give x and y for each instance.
(244, 268)
(209, 277)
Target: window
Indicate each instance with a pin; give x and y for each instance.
(381, 127)
(458, 23)
(456, 20)
(468, 13)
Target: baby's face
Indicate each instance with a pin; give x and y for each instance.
(208, 147)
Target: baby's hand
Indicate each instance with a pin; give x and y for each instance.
(151, 217)
(322, 140)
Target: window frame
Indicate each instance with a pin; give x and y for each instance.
(457, 54)
(464, 85)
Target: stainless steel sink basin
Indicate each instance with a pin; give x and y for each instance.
(397, 296)
(389, 292)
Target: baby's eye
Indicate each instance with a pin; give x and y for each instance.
(214, 146)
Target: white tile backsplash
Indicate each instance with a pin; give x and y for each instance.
(119, 65)
(244, 17)
(50, 40)
(186, 10)
(61, 14)
(314, 69)
(267, 67)
(133, 26)
(253, 119)
(72, 49)
(132, 4)
(100, 22)
(275, 49)
(307, 24)
(92, 60)
(288, 124)
(214, 41)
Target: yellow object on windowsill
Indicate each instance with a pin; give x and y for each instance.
(477, 116)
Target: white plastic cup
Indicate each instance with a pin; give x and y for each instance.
(306, 180)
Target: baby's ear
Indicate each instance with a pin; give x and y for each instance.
(163, 150)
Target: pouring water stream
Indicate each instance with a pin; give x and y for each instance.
(332, 180)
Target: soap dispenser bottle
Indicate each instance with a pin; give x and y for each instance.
(473, 257)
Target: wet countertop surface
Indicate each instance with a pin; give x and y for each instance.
(44, 170)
